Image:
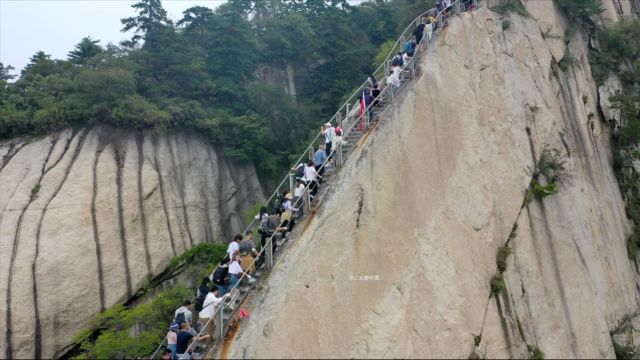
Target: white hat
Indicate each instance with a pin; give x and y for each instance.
(327, 124)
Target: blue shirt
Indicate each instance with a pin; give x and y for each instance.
(409, 47)
(183, 341)
(319, 157)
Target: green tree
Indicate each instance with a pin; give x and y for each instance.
(5, 72)
(86, 49)
(151, 15)
(583, 11)
(39, 64)
(195, 17)
(5, 76)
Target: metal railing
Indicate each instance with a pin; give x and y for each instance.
(352, 116)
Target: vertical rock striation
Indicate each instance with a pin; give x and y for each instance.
(398, 261)
(87, 217)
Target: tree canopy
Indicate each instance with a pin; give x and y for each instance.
(220, 71)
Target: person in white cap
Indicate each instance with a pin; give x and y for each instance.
(329, 135)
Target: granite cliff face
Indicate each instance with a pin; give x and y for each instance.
(398, 260)
(86, 217)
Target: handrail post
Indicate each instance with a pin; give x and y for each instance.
(219, 332)
(269, 252)
(311, 152)
(475, 4)
(458, 10)
(346, 115)
(307, 199)
(339, 150)
(291, 181)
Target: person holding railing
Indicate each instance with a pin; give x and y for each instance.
(329, 133)
(405, 58)
(394, 77)
(318, 159)
(299, 191)
(185, 310)
(375, 91)
(209, 307)
(269, 229)
(310, 175)
(339, 139)
(418, 32)
(368, 104)
(299, 171)
(235, 270)
(185, 335)
(429, 27)
(234, 246)
(410, 46)
(287, 218)
(219, 276)
(397, 60)
(248, 252)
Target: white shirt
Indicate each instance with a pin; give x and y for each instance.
(233, 247)
(309, 173)
(209, 306)
(235, 268)
(394, 78)
(405, 58)
(298, 190)
(329, 133)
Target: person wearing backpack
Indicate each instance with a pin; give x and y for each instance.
(210, 307)
(410, 46)
(185, 309)
(201, 293)
(397, 60)
(299, 171)
(219, 276)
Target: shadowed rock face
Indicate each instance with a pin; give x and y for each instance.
(87, 217)
(398, 261)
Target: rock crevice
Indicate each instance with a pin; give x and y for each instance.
(88, 217)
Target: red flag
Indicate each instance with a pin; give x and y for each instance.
(362, 109)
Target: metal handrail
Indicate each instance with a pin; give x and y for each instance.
(351, 126)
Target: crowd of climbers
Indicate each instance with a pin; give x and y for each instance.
(243, 256)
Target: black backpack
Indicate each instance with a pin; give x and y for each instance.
(397, 61)
(200, 301)
(300, 172)
(180, 318)
(219, 274)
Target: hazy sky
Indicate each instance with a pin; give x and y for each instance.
(55, 26)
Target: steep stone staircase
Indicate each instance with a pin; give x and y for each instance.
(347, 117)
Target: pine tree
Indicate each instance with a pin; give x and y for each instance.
(84, 50)
(151, 15)
(5, 73)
